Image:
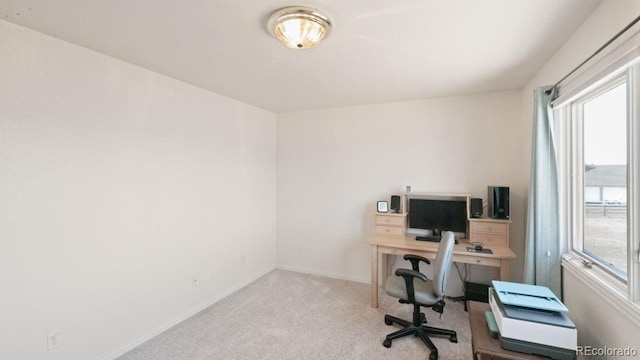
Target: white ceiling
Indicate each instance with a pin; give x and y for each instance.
(379, 51)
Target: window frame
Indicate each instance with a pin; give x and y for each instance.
(622, 62)
(633, 177)
(577, 174)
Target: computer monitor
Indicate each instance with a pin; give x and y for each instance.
(439, 215)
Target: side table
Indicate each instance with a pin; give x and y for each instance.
(485, 347)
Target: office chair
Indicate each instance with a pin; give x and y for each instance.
(413, 287)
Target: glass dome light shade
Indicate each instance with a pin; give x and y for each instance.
(299, 27)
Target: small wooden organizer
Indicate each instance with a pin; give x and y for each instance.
(390, 223)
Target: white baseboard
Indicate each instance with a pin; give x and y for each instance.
(183, 316)
(361, 279)
(205, 304)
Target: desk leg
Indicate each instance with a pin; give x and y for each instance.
(384, 265)
(504, 270)
(374, 276)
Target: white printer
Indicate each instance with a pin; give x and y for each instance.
(531, 319)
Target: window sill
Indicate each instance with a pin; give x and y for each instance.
(603, 284)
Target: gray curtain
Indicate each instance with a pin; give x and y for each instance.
(542, 246)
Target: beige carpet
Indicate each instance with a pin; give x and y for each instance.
(289, 315)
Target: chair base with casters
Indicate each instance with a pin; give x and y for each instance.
(418, 328)
(413, 287)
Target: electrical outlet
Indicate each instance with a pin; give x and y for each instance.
(194, 281)
(243, 259)
(53, 340)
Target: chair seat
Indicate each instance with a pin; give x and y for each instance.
(424, 292)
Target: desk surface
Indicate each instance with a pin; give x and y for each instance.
(409, 242)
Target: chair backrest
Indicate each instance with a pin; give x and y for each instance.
(443, 263)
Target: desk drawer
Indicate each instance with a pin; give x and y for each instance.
(477, 260)
(389, 220)
(389, 250)
(488, 227)
(389, 230)
(490, 240)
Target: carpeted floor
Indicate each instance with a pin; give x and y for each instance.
(289, 315)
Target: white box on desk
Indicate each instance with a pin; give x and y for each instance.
(535, 332)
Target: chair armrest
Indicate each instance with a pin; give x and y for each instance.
(408, 276)
(415, 261)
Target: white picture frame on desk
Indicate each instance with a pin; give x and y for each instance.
(383, 206)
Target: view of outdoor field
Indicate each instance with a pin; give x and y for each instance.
(605, 234)
(605, 177)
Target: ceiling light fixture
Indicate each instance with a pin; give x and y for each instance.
(299, 27)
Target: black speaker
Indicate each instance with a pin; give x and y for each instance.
(475, 207)
(395, 203)
(498, 202)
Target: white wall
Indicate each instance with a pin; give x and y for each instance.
(120, 185)
(117, 186)
(334, 164)
(600, 324)
(597, 323)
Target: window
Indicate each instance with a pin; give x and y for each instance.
(598, 131)
(600, 123)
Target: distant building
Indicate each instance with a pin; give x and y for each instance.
(605, 184)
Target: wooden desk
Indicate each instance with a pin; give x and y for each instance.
(484, 347)
(400, 245)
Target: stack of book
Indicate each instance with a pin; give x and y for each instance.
(532, 320)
